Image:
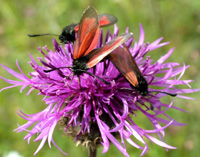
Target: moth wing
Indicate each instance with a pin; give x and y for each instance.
(76, 28)
(106, 20)
(88, 33)
(125, 63)
(98, 54)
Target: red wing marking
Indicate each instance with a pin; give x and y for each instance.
(98, 54)
(126, 64)
(88, 33)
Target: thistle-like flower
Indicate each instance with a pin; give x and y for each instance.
(99, 113)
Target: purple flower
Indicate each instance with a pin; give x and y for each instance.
(99, 113)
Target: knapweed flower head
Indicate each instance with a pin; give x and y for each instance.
(99, 113)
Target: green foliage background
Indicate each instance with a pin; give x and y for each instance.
(177, 21)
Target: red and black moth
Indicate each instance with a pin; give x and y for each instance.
(68, 32)
(125, 63)
(85, 55)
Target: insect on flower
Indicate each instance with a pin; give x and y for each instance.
(85, 55)
(125, 63)
(101, 114)
(68, 32)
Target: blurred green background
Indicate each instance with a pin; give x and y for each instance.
(177, 21)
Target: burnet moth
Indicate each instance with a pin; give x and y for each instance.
(68, 33)
(125, 63)
(85, 55)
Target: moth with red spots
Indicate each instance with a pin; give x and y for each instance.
(68, 32)
(125, 63)
(85, 55)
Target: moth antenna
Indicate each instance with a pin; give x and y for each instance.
(91, 74)
(151, 105)
(127, 88)
(47, 71)
(36, 35)
(79, 82)
(170, 94)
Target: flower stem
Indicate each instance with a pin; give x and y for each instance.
(92, 152)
